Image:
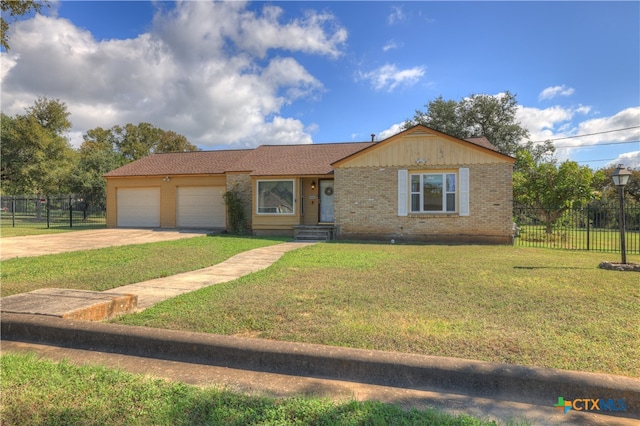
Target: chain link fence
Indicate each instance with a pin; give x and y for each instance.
(55, 211)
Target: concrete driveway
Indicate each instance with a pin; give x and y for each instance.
(38, 245)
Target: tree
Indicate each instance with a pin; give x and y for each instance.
(608, 192)
(16, 8)
(51, 114)
(137, 141)
(106, 149)
(170, 141)
(95, 159)
(551, 189)
(477, 115)
(36, 155)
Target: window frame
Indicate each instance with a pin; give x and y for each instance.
(445, 192)
(276, 213)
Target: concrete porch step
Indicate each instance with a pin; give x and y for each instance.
(314, 232)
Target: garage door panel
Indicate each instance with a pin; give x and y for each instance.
(201, 207)
(138, 207)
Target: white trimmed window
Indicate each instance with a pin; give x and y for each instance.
(433, 192)
(275, 197)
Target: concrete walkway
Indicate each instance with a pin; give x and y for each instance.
(153, 291)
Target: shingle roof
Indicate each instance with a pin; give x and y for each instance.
(483, 142)
(298, 160)
(182, 163)
(265, 160)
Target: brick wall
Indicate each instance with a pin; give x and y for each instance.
(366, 207)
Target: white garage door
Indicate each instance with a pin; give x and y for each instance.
(201, 207)
(138, 207)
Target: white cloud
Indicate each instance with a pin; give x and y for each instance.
(552, 92)
(628, 159)
(219, 85)
(390, 45)
(543, 123)
(387, 133)
(571, 131)
(389, 77)
(396, 16)
(310, 34)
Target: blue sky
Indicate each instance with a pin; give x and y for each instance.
(235, 74)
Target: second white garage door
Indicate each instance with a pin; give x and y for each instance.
(201, 207)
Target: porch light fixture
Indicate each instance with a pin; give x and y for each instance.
(313, 184)
(620, 178)
(166, 179)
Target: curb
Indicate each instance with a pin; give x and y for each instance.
(532, 385)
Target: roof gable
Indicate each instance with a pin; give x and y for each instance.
(424, 146)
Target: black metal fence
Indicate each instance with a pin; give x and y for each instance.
(59, 211)
(593, 227)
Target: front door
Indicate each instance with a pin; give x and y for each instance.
(326, 201)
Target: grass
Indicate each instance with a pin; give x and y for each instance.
(526, 306)
(38, 392)
(27, 224)
(9, 232)
(505, 304)
(107, 268)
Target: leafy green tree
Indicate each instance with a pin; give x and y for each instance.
(549, 188)
(51, 114)
(137, 141)
(607, 192)
(36, 155)
(477, 115)
(444, 116)
(15, 8)
(95, 159)
(170, 141)
(134, 141)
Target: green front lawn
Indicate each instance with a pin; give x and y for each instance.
(111, 267)
(37, 392)
(517, 305)
(495, 303)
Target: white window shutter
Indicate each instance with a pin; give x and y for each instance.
(463, 188)
(403, 181)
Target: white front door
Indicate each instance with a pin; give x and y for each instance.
(326, 201)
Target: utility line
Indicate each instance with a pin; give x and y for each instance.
(588, 134)
(596, 161)
(594, 145)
